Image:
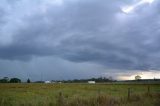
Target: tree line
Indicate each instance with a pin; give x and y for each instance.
(98, 80)
(12, 80)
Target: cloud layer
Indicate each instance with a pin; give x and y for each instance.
(79, 31)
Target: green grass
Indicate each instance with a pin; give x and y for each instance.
(78, 95)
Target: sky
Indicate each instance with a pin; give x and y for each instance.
(76, 39)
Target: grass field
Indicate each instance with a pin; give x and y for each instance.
(79, 95)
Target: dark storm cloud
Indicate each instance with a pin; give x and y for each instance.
(83, 31)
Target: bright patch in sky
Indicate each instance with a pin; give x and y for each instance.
(129, 9)
(144, 75)
(148, 1)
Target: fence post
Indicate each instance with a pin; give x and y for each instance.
(129, 93)
(60, 99)
(98, 97)
(148, 91)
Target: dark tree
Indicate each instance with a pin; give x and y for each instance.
(15, 80)
(4, 80)
(28, 81)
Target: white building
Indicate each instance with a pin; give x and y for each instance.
(47, 82)
(91, 82)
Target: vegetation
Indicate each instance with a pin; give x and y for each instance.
(81, 94)
(100, 79)
(28, 80)
(137, 77)
(15, 80)
(4, 80)
(12, 80)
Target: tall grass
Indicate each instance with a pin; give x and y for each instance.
(78, 95)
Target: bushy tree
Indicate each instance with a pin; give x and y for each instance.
(4, 80)
(137, 77)
(15, 80)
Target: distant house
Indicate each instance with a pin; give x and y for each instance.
(47, 82)
(91, 82)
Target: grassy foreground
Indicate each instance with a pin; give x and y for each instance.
(79, 95)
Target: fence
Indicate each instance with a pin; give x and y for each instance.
(130, 96)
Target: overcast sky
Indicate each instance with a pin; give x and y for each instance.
(68, 39)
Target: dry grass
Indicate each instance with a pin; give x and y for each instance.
(78, 95)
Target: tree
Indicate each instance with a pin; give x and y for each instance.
(137, 77)
(4, 80)
(28, 81)
(15, 80)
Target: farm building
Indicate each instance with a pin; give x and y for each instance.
(47, 82)
(91, 82)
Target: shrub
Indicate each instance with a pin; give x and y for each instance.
(15, 80)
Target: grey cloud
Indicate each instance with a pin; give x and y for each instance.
(87, 31)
